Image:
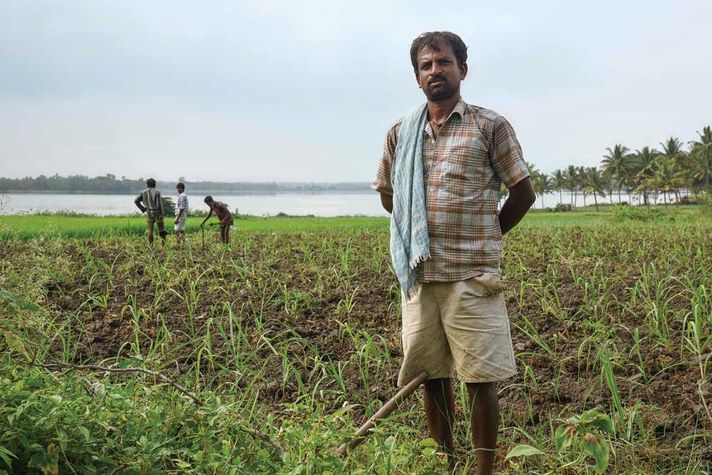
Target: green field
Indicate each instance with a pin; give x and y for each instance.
(28, 226)
(264, 355)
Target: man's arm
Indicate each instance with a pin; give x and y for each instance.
(521, 198)
(207, 217)
(160, 201)
(138, 204)
(387, 202)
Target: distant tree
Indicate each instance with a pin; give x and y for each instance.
(702, 159)
(616, 164)
(572, 178)
(644, 167)
(558, 182)
(594, 183)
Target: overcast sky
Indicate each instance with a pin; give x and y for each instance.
(305, 90)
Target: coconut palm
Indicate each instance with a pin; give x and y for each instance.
(645, 160)
(666, 177)
(572, 180)
(543, 186)
(702, 158)
(594, 183)
(673, 152)
(540, 182)
(558, 183)
(616, 164)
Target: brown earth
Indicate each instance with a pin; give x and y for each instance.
(673, 389)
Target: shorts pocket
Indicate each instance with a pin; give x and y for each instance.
(485, 284)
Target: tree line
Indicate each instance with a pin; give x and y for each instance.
(110, 184)
(670, 171)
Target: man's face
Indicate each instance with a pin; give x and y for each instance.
(438, 73)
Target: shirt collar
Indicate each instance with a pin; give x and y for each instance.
(459, 108)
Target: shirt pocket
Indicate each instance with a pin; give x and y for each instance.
(465, 170)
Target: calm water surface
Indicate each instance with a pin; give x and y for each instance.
(296, 204)
(366, 204)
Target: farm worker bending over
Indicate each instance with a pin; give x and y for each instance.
(181, 212)
(223, 214)
(439, 177)
(149, 202)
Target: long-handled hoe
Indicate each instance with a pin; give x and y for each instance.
(382, 413)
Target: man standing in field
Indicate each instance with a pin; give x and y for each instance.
(224, 215)
(149, 202)
(181, 212)
(440, 177)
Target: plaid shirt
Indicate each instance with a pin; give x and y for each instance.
(474, 152)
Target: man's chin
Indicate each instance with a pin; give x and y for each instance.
(439, 95)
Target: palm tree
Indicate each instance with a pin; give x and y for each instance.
(572, 181)
(702, 156)
(595, 183)
(540, 181)
(666, 177)
(616, 164)
(558, 182)
(645, 160)
(544, 186)
(673, 152)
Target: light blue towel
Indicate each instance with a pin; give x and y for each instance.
(409, 223)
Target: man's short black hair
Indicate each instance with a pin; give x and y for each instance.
(151, 183)
(431, 39)
(208, 199)
(180, 186)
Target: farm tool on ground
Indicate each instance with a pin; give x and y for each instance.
(382, 413)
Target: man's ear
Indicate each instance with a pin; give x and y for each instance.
(463, 71)
(417, 78)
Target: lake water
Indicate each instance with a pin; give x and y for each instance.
(296, 204)
(366, 204)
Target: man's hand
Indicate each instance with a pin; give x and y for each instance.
(521, 198)
(387, 202)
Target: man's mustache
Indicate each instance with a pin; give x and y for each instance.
(436, 78)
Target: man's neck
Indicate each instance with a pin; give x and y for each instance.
(439, 111)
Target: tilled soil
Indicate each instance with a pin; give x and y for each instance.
(293, 289)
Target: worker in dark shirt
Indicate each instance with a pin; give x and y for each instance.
(149, 202)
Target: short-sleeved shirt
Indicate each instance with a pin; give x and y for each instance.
(182, 206)
(474, 152)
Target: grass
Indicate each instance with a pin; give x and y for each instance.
(28, 226)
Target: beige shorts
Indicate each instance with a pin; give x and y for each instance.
(457, 328)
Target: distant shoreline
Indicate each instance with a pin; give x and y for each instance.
(197, 192)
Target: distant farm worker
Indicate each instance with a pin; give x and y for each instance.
(149, 202)
(181, 212)
(440, 177)
(224, 215)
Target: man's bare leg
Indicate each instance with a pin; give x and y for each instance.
(225, 234)
(484, 420)
(439, 411)
(150, 231)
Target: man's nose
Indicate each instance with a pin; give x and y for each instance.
(435, 69)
